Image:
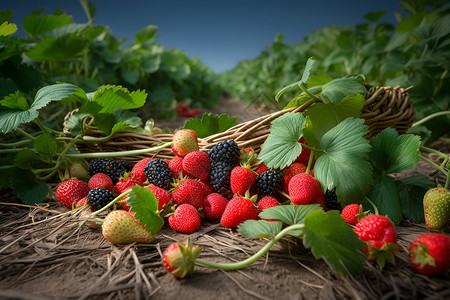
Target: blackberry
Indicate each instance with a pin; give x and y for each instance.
(331, 200)
(219, 178)
(158, 173)
(116, 168)
(98, 197)
(269, 182)
(98, 165)
(225, 151)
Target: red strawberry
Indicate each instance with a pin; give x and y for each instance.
(304, 156)
(178, 259)
(101, 180)
(266, 202)
(379, 234)
(291, 171)
(69, 191)
(213, 206)
(429, 254)
(163, 196)
(184, 142)
(124, 184)
(185, 219)
(176, 166)
(120, 227)
(242, 178)
(81, 202)
(261, 168)
(436, 205)
(238, 210)
(188, 191)
(207, 188)
(138, 170)
(197, 164)
(305, 189)
(352, 213)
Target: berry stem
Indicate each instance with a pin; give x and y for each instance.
(118, 153)
(375, 209)
(254, 257)
(427, 118)
(111, 203)
(440, 168)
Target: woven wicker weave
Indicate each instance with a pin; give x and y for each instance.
(384, 107)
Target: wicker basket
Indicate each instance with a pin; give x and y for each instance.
(384, 107)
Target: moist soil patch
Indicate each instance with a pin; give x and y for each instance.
(46, 254)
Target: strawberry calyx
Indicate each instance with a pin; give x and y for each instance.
(422, 256)
(180, 260)
(382, 254)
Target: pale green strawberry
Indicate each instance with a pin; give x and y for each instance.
(120, 227)
(436, 205)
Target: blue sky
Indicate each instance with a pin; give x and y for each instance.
(221, 33)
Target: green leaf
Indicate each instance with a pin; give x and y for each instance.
(27, 188)
(25, 158)
(35, 24)
(144, 203)
(375, 16)
(259, 229)
(111, 97)
(330, 238)
(385, 196)
(45, 145)
(89, 9)
(210, 124)
(305, 77)
(58, 49)
(15, 101)
(281, 147)
(411, 191)
(325, 116)
(393, 153)
(337, 89)
(55, 92)
(7, 28)
(146, 34)
(343, 164)
(289, 214)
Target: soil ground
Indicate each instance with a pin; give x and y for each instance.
(45, 254)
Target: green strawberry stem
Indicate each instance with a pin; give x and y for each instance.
(118, 153)
(305, 90)
(427, 118)
(254, 257)
(308, 167)
(375, 209)
(440, 168)
(117, 199)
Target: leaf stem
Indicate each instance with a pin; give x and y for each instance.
(305, 90)
(427, 118)
(15, 144)
(26, 134)
(434, 165)
(373, 205)
(45, 128)
(254, 257)
(118, 153)
(111, 203)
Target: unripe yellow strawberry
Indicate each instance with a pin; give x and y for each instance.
(436, 205)
(120, 227)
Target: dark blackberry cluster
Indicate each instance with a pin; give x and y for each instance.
(269, 182)
(331, 200)
(112, 168)
(99, 197)
(158, 173)
(224, 157)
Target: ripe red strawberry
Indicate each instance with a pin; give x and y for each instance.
(124, 184)
(162, 195)
(101, 180)
(178, 259)
(352, 213)
(207, 188)
(197, 164)
(69, 191)
(304, 156)
(120, 227)
(213, 206)
(184, 142)
(188, 191)
(266, 202)
(185, 219)
(242, 178)
(176, 166)
(138, 170)
(429, 254)
(436, 205)
(261, 168)
(238, 210)
(379, 234)
(305, 189)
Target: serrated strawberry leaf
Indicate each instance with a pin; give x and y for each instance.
(329, 237)
(344, 164)
(24, 159)
(385, 196)
(337, 89)
(289, 214)
(281, 147)
(210, 124)
(45, 145)
(144, 203)
(111, 97)
(27, 188)
(411, 191)
(325, 116)
(259, 229)
(305, 77)
(394, 153)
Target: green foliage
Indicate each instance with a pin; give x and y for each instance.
(210, 124)
(144, 203)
